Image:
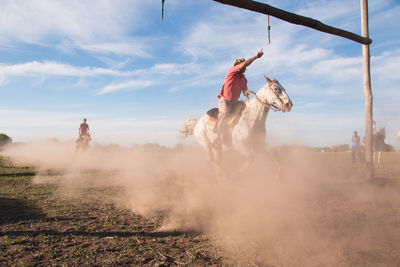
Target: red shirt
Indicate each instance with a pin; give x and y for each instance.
(234, 83)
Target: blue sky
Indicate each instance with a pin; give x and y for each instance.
(137, 78)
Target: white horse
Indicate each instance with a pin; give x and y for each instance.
(248, 133)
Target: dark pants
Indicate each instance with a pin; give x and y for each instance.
(225, 108)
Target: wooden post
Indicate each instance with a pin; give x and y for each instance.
(369, 163)
(294, 18)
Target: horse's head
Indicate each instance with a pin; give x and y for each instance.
(381, 132)
(275, 95)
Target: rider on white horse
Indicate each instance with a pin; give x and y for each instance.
(235, 82)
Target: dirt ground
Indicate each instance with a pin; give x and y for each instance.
(40, 228)
(331, 216)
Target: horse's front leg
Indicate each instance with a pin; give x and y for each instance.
(217, 148)
(276, 160)
(214, 152)
(248, 156)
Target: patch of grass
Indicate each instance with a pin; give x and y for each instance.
(43, 228)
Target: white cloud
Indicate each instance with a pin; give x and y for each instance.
(330, 11)
(131, 85)
(157, 73)
(223, 35)
(132, 47)
(338, 69)
(174, 68)
(99, 26)
(386, 66)
(57, 69)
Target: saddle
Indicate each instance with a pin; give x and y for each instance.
(236, 112)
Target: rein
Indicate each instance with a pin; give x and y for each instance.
(271, 106)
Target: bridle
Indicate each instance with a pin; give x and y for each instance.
(271, 106)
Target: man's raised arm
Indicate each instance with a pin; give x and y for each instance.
(248, 62)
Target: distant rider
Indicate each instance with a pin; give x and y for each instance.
(83, 129)
(235, 82)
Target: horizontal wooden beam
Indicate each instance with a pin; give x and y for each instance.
(295, 19)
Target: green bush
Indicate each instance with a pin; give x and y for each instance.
(4, 139)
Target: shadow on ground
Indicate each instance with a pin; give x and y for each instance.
(157, 234)
(22, 174)
(15, 210)
(389, 182)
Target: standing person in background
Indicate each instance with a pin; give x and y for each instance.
(355, 147)
(83, 129)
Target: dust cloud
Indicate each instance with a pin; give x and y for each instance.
(323, 211)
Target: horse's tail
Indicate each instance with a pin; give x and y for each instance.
(188, 128)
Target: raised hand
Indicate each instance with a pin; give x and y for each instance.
(260, 53)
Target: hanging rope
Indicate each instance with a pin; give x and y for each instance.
(269, 32)
(162, 9)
